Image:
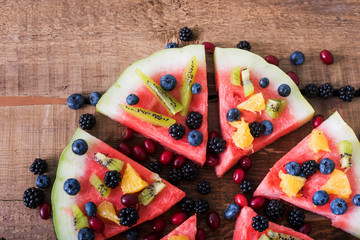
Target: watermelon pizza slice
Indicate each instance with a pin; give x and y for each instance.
(99, 192)
(321, 174)
(258, 103)
(245, 231)
(185, 231)
(164, 97)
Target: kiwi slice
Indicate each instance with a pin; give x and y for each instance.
(99, 185)
(274, 107)
(109, 163)
(168, 101)
(149, 193)
(187, 81)
(247, 84)
(280, 236)
(149, 116)
(264, 237)
(80, 220)
(235, 78)
(345, 149)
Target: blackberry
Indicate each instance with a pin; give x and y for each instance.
(201, 206)
(155, 166)
(187, 204)
(39, 166)
(189, 171)
(87, 121)
(216, 145)
(203, 187)
(256, 129)
(247, 186)
(185, 34)
(311, 90)
(274, 209)
(112, 179)
(347, 93)
(296, 218)
(326, 90)
(174, 176)
(309, 167)
(194, 120)
(33, 197)
(177, 131)
(245, 45)
(260, 223)
(128, 216)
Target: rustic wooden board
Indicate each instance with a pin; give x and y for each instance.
(55, 48)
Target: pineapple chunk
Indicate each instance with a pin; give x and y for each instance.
(290, 184)
(318, 142)
(338, 184)
(131, 181)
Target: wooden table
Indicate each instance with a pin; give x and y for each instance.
(55, 48)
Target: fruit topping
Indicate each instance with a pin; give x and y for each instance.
(241, 200)
(216, 145)
(247, 186)
(242, 136)
(39, 166)
(338, 184)
(356, 200)
(309, 167)
(106, 210)
(274, 107)
(232, 211)
(79, 147)
(179, 237)
(338, 206)
(139, 153)
(187, 204)
(326, 90)
(71, 186)
(255, 103)
(196, 88)
(317, 120)
(86, 234)
(256, 129)
(171, 45)
(280, 236)
(327, 57)
(284, 90)
(33, 197)
(274, 209)
(80, 220)
(345, 149)
(96, 224)
(128, 216)
(188, 80)
(260, 223)
(290, 184)
(43, 181)
(245, 162)
(233, 115)
(87, 121)
(195, 138)
(245, 45)
(90, 209)
(257, 203)
(201, 206)
(166, 157)
(155, 166)
(293, 168)
(235, 77)
(264, 237)
(109, 163)
(269, 128)
(213, 220)
(311, 90)
(149, 193)
(296, 218)
(246, 82)
(204, 187)
(132, 182)
(168, 82)
(272, 60)
(112, 179)
(238, 176)
(103, 190)
(177, 131)
(194, 120)
(125, 148)
(209, 47)
(318, 142)
(264, 82)
(326, 166)
(320, 198)
(45, 210)
(189, 171)
(178, 218)
(94, 98)
(347, 93)
(179, 161)
(75, 101)
(158, 224)
(297, 58)
(129, 200)
(132, 99)
(185, 34)
(294, 77)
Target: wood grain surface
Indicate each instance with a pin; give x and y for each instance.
(54, 48)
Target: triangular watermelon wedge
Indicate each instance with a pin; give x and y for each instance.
(294, 112)
(244, 230)
(186, 229)
(335, 130)
(81, 167)
(177, 62)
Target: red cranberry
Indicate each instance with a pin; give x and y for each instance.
(152, 236)
(241, 200)
(166, 157)
(179, 161)
(294, 77)
(200, 235)
(317, 120)
(238, 176)
(45, 210)
(245, 163)
(129, 200)
(212, 160)
(178, 218)
(213, 220)
(327, 57)
(257, 203)
(214, 134)
(272, 60)
(127, 134)
(158, 224)
(209, 47)
(139, 153)
(96, 224)
(150, 146)
(305, 228)
(125, 149)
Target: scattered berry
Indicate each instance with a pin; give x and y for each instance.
(90, 209)
(39, 166)
(297, 58)
(356, 200)
(187, 204)
(79, 147)
(309, 167)
(132, 99)
(238, 176)
(195, 138)
(43, 181)
(200, 235)
(185, 34)
(71, 186)
(158, 224)
(112, 179)
(284, 90)
(155, 166)
(305, 228)
(311, 90)
(178, 218)
(139, 153)
(179, 162)
(209, 47)
(196, 88)
(293, 168)
(128, 216)
(320, 198)
(256, 129)
(260, 223)
(189, 171)
(347, 93)
(326, 166)
(274, 209)
(214, 134)
(177, 131)
(216, 145)
(272, 60)
(171, 45)
(96, 224)
(166, 157)
(194, 120)
(150, 146)
(168, 82)
(317, 120)
(174, 176)
(241, 200)
(294, 77)
(296, 218)
(213, 220)
(124, 148)
(201, 206)
(245, 163)
(75, 101)
(257, 203)
(86, 234)
(127, 134)
(204, 187)
(45, 210)
(245, 45)
(269, 128)
(94, 98)
(326, 90)
(132, 234)
(233, 115)
(87, 121)
(33, 197)
(129, 200)
(232, 211)
(212, 160)
(247, 186)
(338, 206)
(264, 82)
(327, 57)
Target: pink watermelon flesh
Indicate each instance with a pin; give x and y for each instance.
(296, 113)
(168, 61)
(244, 230)
(187, 228)
(81, 167)
(335, 130)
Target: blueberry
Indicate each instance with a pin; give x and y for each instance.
(356, 200)
(284, 90)
(90, 209)
(338, 206)
(196, 88)
(171, 45)
(233, 114)
(75, 101)
(132, 234)
(326, 166)
(86, 234)
(94, 98)
(71, 186)
(195, 138)
(132, 99)
(293, 168)
(302, 174)
(320, 198)
(43, 181)
(264, 82)
(79, 147)
(297, 58)
(168, 82)
(269, 128)
(232, 211)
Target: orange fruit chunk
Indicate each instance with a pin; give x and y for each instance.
(318, 142)
(242, 137)
(290, 184)
(178, 238)
(131, 181)
(338, 184)
(255, 103)
(106, 210)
